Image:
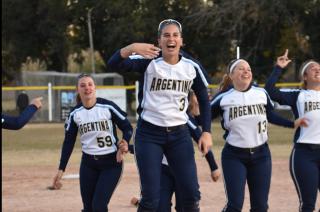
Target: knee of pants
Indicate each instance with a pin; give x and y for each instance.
(148, 204)
(231, 208)
(192, 207)
(98, 207)
(307, 208)
(141, 208)
(259, 208)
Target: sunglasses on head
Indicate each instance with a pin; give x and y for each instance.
(83, 75)
(167, 22)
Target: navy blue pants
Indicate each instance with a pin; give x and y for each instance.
(167, 188)
(305, 173)
(241, 166)
(98, 180)
(151, 142)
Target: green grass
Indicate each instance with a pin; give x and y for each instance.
(41, 144)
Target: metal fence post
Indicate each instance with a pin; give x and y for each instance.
(50, 102)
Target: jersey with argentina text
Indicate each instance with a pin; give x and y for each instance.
(97, 129)
(244, 116)
(164, 88)
(304, 103)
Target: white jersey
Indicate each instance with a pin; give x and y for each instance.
(166, 88)
(244, 116)
(96, 128)
(308, 105)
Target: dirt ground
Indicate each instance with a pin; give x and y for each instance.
(24, 190)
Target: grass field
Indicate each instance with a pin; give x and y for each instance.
(37, 140)
(31, 155)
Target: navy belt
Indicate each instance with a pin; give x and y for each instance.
(251, 150)
(99, 157)
(309, 146)
(159, 128)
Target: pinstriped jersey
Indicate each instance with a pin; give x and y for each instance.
(164, 88)
(244, 116)
(97, 129)
(304, 103)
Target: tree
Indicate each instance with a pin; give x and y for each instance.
(33, 29)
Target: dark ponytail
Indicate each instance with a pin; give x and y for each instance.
(78, 99)
(225, 83)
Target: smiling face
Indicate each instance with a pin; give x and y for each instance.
(170, 40)
(312, 74)
(86, 89)
(241, 75)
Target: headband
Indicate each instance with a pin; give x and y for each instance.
(235, 64)
(305, 67)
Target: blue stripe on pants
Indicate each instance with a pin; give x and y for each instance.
(305, 172)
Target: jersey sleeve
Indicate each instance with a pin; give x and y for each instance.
(274, 118)
(216, 109)
(120, 118)
(283, 97)
(134, 63)
(71, 130)
(16, 123)
(200, 89)
(195, 132)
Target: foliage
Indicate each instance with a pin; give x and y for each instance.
(53, 30)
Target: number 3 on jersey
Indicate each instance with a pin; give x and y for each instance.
(104, 141)
(182, 104)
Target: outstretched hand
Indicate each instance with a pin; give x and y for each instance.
(37, 102)
(283, 60)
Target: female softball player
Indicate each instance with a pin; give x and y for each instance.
(101, 165)
(166, 79)
(245, 111)
(16, 123)
(305, 102)
(168, 182)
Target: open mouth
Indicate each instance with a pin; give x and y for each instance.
(171, 46)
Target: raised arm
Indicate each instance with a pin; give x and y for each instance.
(285, 97)
(16, 123)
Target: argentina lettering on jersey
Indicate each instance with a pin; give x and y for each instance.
(163, 96)
(235, 112)
(96, 126)
(170, 84)
(308, 105)
(243, 116)
(93, 126)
